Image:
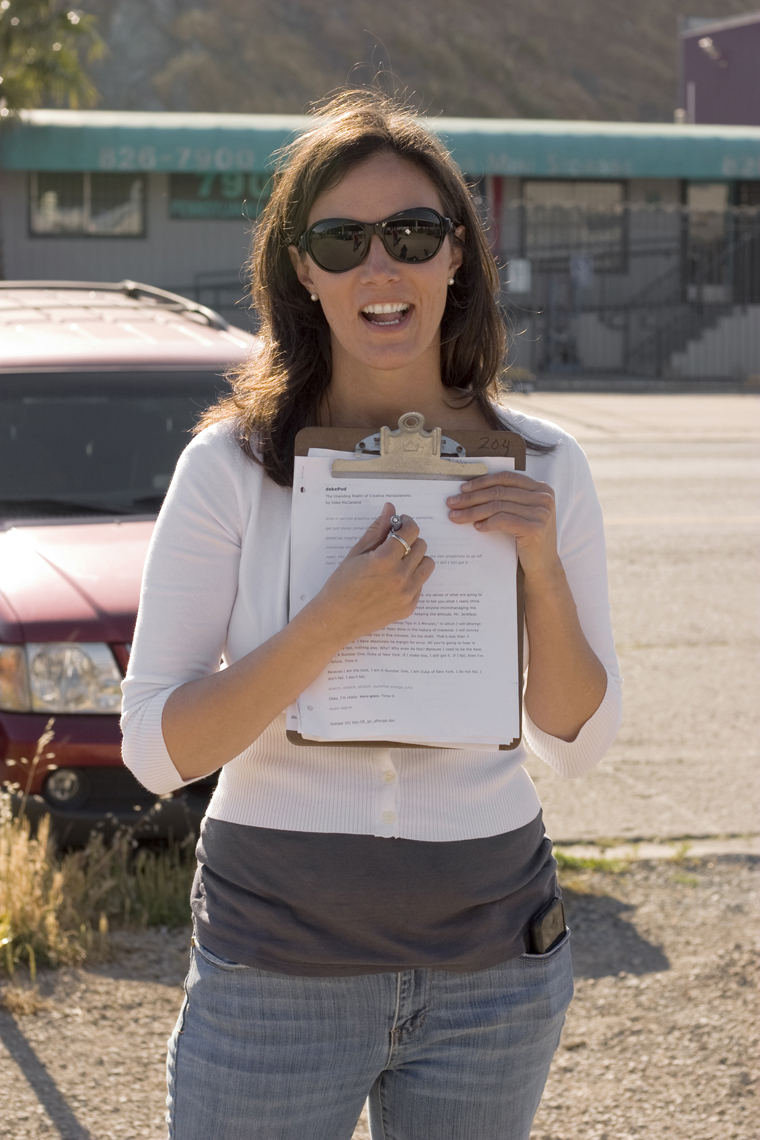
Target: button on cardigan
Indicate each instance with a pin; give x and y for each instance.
(215, 587)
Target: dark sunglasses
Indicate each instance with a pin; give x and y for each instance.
(338, 244)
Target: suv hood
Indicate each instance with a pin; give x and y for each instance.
(72, 581)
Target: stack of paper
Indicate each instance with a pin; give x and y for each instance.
(448, 675)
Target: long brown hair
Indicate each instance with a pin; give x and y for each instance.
(280, 390)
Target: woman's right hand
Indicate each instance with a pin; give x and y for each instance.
(377, 583)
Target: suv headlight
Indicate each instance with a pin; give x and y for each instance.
(59, 677)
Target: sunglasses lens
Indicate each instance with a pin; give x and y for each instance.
(337, 245)
(417, 237)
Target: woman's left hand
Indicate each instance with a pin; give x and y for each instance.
(566, 680)
(517, 505)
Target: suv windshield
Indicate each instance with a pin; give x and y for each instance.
(92, 443)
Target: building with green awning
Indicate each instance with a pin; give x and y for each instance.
(621, 246)
(198, 143)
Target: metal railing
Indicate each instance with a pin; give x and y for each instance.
(637, 305)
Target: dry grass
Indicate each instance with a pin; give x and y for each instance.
(56, 908)
(23, 1001)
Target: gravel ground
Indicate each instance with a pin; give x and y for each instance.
(661, 1039)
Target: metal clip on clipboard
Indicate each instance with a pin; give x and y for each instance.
(407, 453)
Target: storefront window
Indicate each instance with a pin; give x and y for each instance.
(73, 204)
(747, 243)
(708, 255)
(568, 220)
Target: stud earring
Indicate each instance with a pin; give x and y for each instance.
(315, 296)
(451, 280)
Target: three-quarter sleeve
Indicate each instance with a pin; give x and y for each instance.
(188, 590)
(580, 540)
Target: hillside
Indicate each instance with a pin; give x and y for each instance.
(589, 59)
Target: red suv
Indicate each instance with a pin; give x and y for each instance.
(99, 387)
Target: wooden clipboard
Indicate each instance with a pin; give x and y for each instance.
(424, 457)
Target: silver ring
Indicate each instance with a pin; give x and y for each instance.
(396, 522)
(404, 543)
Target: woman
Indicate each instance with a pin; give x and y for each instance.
(329, 964)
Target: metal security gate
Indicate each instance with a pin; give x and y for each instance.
(634, 291)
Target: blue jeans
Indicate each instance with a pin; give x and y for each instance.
(442, 1056)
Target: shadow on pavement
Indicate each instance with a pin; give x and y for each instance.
(42, 1084)
(606, 943)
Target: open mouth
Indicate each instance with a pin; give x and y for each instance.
(391, 313)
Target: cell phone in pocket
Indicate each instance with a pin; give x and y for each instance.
(547, 927)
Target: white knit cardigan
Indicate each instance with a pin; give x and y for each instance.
(215, 586)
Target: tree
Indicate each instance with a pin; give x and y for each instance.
(40, 43)
(39, 58)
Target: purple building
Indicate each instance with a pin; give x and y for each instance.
(719, 73)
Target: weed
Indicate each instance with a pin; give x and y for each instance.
(685, 880)
(578, 884)
(682, 851)
(22, 1001)
(592, 863)
(57, 908)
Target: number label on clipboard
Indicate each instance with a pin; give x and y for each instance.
(494, 443)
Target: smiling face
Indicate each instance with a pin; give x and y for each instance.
(384, 315)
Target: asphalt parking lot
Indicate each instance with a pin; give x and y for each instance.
(679, 481)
